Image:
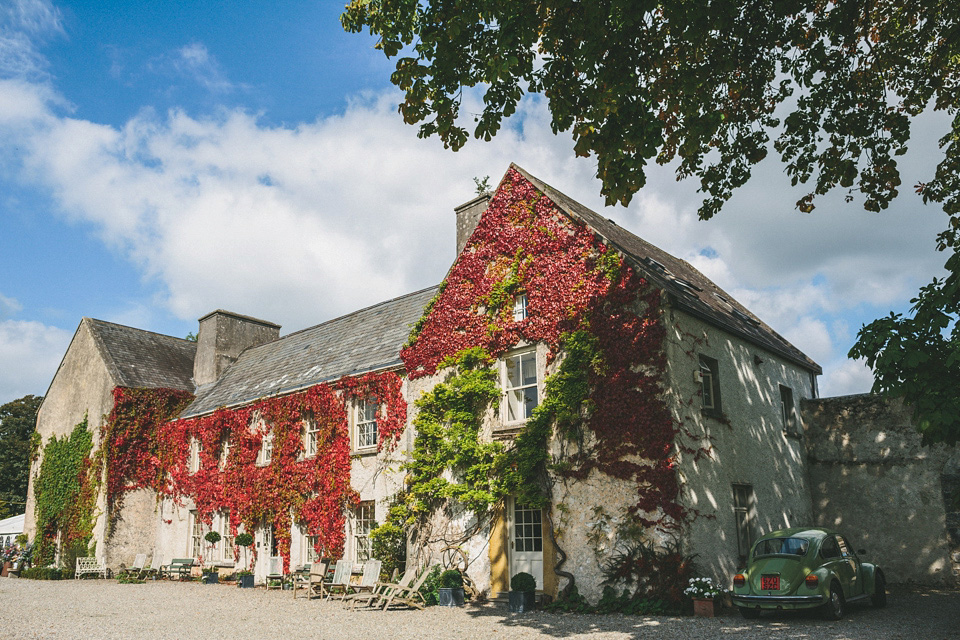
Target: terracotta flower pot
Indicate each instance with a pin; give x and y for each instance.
(703, 608)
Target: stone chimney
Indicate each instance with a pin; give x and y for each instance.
(468, 215)
(221, 338)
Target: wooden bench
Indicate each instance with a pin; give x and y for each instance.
(90, 566)
(179, 567)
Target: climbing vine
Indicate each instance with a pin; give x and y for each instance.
(65, 491)
(128, 449)
(604, 403)
(217, 460)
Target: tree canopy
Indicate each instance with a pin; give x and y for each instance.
(704, 83)
(18, 419)
(711, 87)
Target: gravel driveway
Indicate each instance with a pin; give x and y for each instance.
(105, 609)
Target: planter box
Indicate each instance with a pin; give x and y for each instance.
(6, 569)
(522, 601)
(450, 597)
(211, 578)
(245, 582)
(703, 608)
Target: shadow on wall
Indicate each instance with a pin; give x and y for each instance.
(872, 480)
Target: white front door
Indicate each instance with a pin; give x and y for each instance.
(526, 541)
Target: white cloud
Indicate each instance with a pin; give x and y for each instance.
(845, 377)
(193, 62)
(298, 224)
(8, 307)
(35, 351)
(24, 24)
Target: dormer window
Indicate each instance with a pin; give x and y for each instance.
(520, 307)
(520, 385)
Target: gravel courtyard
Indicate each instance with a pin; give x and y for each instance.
(105, 609)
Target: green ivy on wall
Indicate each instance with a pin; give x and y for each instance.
(65, 493)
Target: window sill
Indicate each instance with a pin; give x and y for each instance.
(366, 451)
(509, 431)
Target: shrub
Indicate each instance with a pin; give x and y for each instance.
(430, 586)
(212, 537)
(42, 573)
(243, 539)
(523, 582)
(451, 579)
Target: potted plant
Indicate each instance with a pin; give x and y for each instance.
(450, 593)
(245, 579)
(703, 592)
(523, 593)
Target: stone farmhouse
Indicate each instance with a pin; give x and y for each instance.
(569, 392)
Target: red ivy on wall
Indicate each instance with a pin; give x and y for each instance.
(314, 491)
(572, 280)
(129, 437)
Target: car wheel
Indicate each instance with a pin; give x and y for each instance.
(833, 609)
(879, 597)
(749, 614)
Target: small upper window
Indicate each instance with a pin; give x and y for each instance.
(225, 452)
(195, 448)
(520, 385)
(710, 384)
(366, 422)
(266, 450)
(311, 435)
(791, 425)
(520, 307)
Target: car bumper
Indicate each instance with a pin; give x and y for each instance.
(773, 602)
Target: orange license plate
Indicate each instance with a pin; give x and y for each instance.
(770, 583)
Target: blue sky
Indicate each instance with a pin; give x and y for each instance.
(161, 160)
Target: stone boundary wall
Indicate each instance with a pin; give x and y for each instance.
(873, 481)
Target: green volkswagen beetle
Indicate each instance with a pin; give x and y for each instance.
(805, 568)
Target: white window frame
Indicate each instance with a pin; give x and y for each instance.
(195, 544)
(225, 452)
(226, 538)
(520, 307)
(518, 356)
(310, 437)
(196, 446)
(307, 553)
(265, 455)
(364, 517)
(709, 377)
(364, 426)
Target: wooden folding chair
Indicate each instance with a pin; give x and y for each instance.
(408, 596)
(369, 580)
(341, 578)
(383, 589)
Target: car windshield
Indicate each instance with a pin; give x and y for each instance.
(782, 546)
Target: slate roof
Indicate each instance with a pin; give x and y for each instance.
(362, 341)
(687, 288)
(143, 359)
